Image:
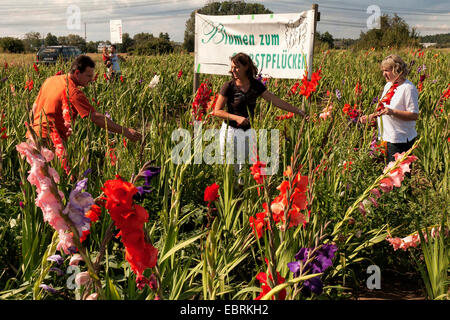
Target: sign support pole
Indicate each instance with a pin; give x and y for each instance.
(196, 74)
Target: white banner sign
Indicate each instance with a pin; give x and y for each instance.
(115, 28)
(281, 45)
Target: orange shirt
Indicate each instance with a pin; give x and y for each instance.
(48, 105)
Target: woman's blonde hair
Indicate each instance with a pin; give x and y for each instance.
(396, 64)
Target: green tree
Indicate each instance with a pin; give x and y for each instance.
(147, 44)
(393, 32)
(127, 43)
(11, 45)
(51, 40)
(219, 8)
(32, 41)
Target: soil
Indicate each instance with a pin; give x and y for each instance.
(395, 287)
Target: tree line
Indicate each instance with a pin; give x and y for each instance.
(393, 31)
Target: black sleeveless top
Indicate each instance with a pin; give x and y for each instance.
(241, 103)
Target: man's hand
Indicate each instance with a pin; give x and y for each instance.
(133, 135)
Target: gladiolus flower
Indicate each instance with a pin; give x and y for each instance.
(75, 260)
(262, 277)
(55, 258)
(94, 213)
(154, 82)
(29, 85)
(180, 73)
(82, 278)
(200, 104)
(47, 288)
(130, 219)
(36, 68)
(211, 193)
(322, 260)
(92, 296)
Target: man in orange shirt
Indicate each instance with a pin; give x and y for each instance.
(57, 90)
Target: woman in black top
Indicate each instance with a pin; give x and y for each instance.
(239, 95)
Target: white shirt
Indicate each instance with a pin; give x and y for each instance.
(393, 129)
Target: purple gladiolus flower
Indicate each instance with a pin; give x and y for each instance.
(85, 173)
(322, 259)
(79, 203)
(338, 94)
(55, 258)
(108, 115)
(57, 270)
(4, 79)
(374, 100)
(21, 204)
(47, 288)
(149, 174)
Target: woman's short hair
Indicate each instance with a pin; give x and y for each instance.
(245, 60)
(396, 64)
(81, 63)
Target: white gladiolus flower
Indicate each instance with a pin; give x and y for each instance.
(154, 82)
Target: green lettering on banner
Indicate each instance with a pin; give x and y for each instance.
(252, 40)
(198, 68)
(245, 40)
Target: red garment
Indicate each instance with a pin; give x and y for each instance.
(48, 105)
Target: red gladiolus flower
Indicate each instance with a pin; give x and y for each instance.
(180, 73)
(29, 85)
(36, 68)
(95, 77)
(294, 88)
(211, 193)
(212, 102)
(59, 73)
(130, 219)
(260, 223)
(358, 89)
(94, 213)
(288, 115)
(121, 79)
(200, 104)
(262, 277)
(257, 171)
(112, 156)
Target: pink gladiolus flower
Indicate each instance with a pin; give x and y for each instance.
(75, 260)
(48, 196)
(82, 278)
(376, 192)
(386, 185)
(92, 296)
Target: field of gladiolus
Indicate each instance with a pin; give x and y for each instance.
(113, 219)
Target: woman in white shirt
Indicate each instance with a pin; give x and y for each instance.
(397, 120)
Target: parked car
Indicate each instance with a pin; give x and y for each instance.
(51, 54)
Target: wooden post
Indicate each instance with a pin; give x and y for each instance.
(315, 7)
(196, 74)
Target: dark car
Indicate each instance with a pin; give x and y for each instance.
(53, 53)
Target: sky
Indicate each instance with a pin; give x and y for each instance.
(342, 19)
